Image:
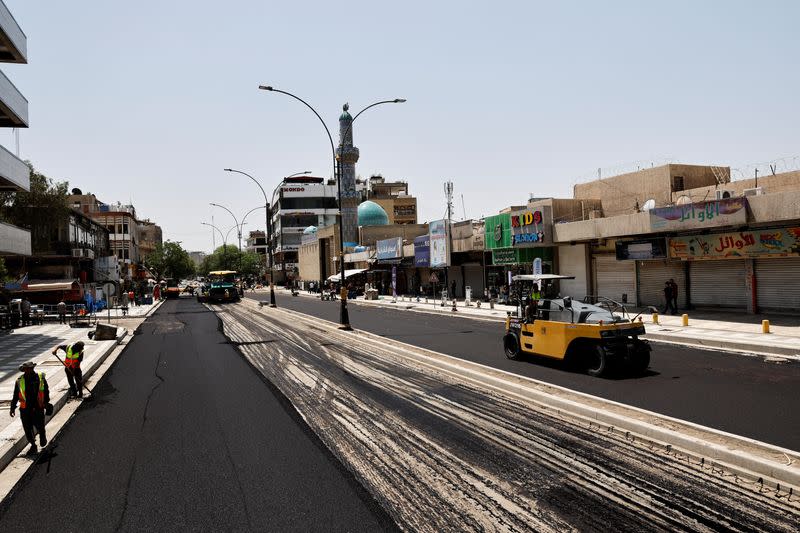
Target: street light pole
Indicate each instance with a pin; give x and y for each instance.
(268, 234)
(224, 239)
(344, 317)
(239, 231)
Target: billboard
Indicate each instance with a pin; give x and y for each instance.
(422, 251)
(389, 248)
(438, 247)
(727, 212)
(776, 242)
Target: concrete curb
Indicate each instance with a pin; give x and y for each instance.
(152, 309)
(737, 346)
(10, 450)
(746, 457)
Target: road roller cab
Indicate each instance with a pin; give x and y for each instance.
(589, 337)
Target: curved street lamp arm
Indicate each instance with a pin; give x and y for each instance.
(252, 178)
(216, 228)
(350, 127)
(330, 138)
(231, 212)
(254, 209)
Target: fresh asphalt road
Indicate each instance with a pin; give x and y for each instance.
(184, 435)
(738, 394)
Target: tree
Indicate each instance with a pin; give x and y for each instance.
(170, 260)
(228, 257)
(40, 210)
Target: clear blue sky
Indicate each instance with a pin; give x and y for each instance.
(148, 101)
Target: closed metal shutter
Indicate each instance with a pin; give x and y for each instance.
(614, 279)
(718, 284)
(473, 277)
(652, 275)
(778, 284)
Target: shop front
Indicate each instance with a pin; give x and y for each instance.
(653, 269)
(756, 270)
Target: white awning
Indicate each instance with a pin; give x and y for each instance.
(347, 274)
(51, 285)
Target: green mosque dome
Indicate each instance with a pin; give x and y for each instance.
(371, 214)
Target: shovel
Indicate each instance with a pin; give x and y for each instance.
(68, 369)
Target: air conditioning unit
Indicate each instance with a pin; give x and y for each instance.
(595, 213)
(88, 253)
(77, 252)
(757, 191)
(723, 194)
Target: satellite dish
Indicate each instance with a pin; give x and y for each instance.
(649, 204)
(76, 191)
(683, 200)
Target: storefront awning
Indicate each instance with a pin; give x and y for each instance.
(52, 285)
(347, 274)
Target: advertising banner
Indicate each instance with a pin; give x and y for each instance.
(422, 251)
(389, 248)
(777, 242)
(438, 246)
(531, 228)
(727, 212)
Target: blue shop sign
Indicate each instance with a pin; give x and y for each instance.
(422, 251)
(389, 248)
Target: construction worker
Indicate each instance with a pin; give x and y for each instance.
(72, 366)
(33, 394)
(535, 294)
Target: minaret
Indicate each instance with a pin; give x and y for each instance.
(347, 155)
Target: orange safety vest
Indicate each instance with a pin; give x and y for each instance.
(71, 360)
(23, 402)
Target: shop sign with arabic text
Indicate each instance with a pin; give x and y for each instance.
(777, 242)
(727, 212)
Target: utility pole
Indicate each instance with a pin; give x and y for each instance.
(448, 193)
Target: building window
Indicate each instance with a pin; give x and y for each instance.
(677, 183)
(125, 229)
(110, 229)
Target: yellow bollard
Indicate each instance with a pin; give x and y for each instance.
(655, 318)
(765, 326)
(685, 318)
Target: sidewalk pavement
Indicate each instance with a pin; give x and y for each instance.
(133, 311)
(35, 343)
(722, 330)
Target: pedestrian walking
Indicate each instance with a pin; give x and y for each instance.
(62, 312)
(674, 295)
(131, 299)
(453, 288)
(33, 395)
(25, 311)
(72, 366)
(668, 309)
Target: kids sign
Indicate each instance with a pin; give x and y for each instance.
(778, 242)
(528, 228)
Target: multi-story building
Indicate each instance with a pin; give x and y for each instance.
(197, 258)
(393, 197)
(257, 243)
(150, 236)
(14, 174)
(299, 203)
(122, 225)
